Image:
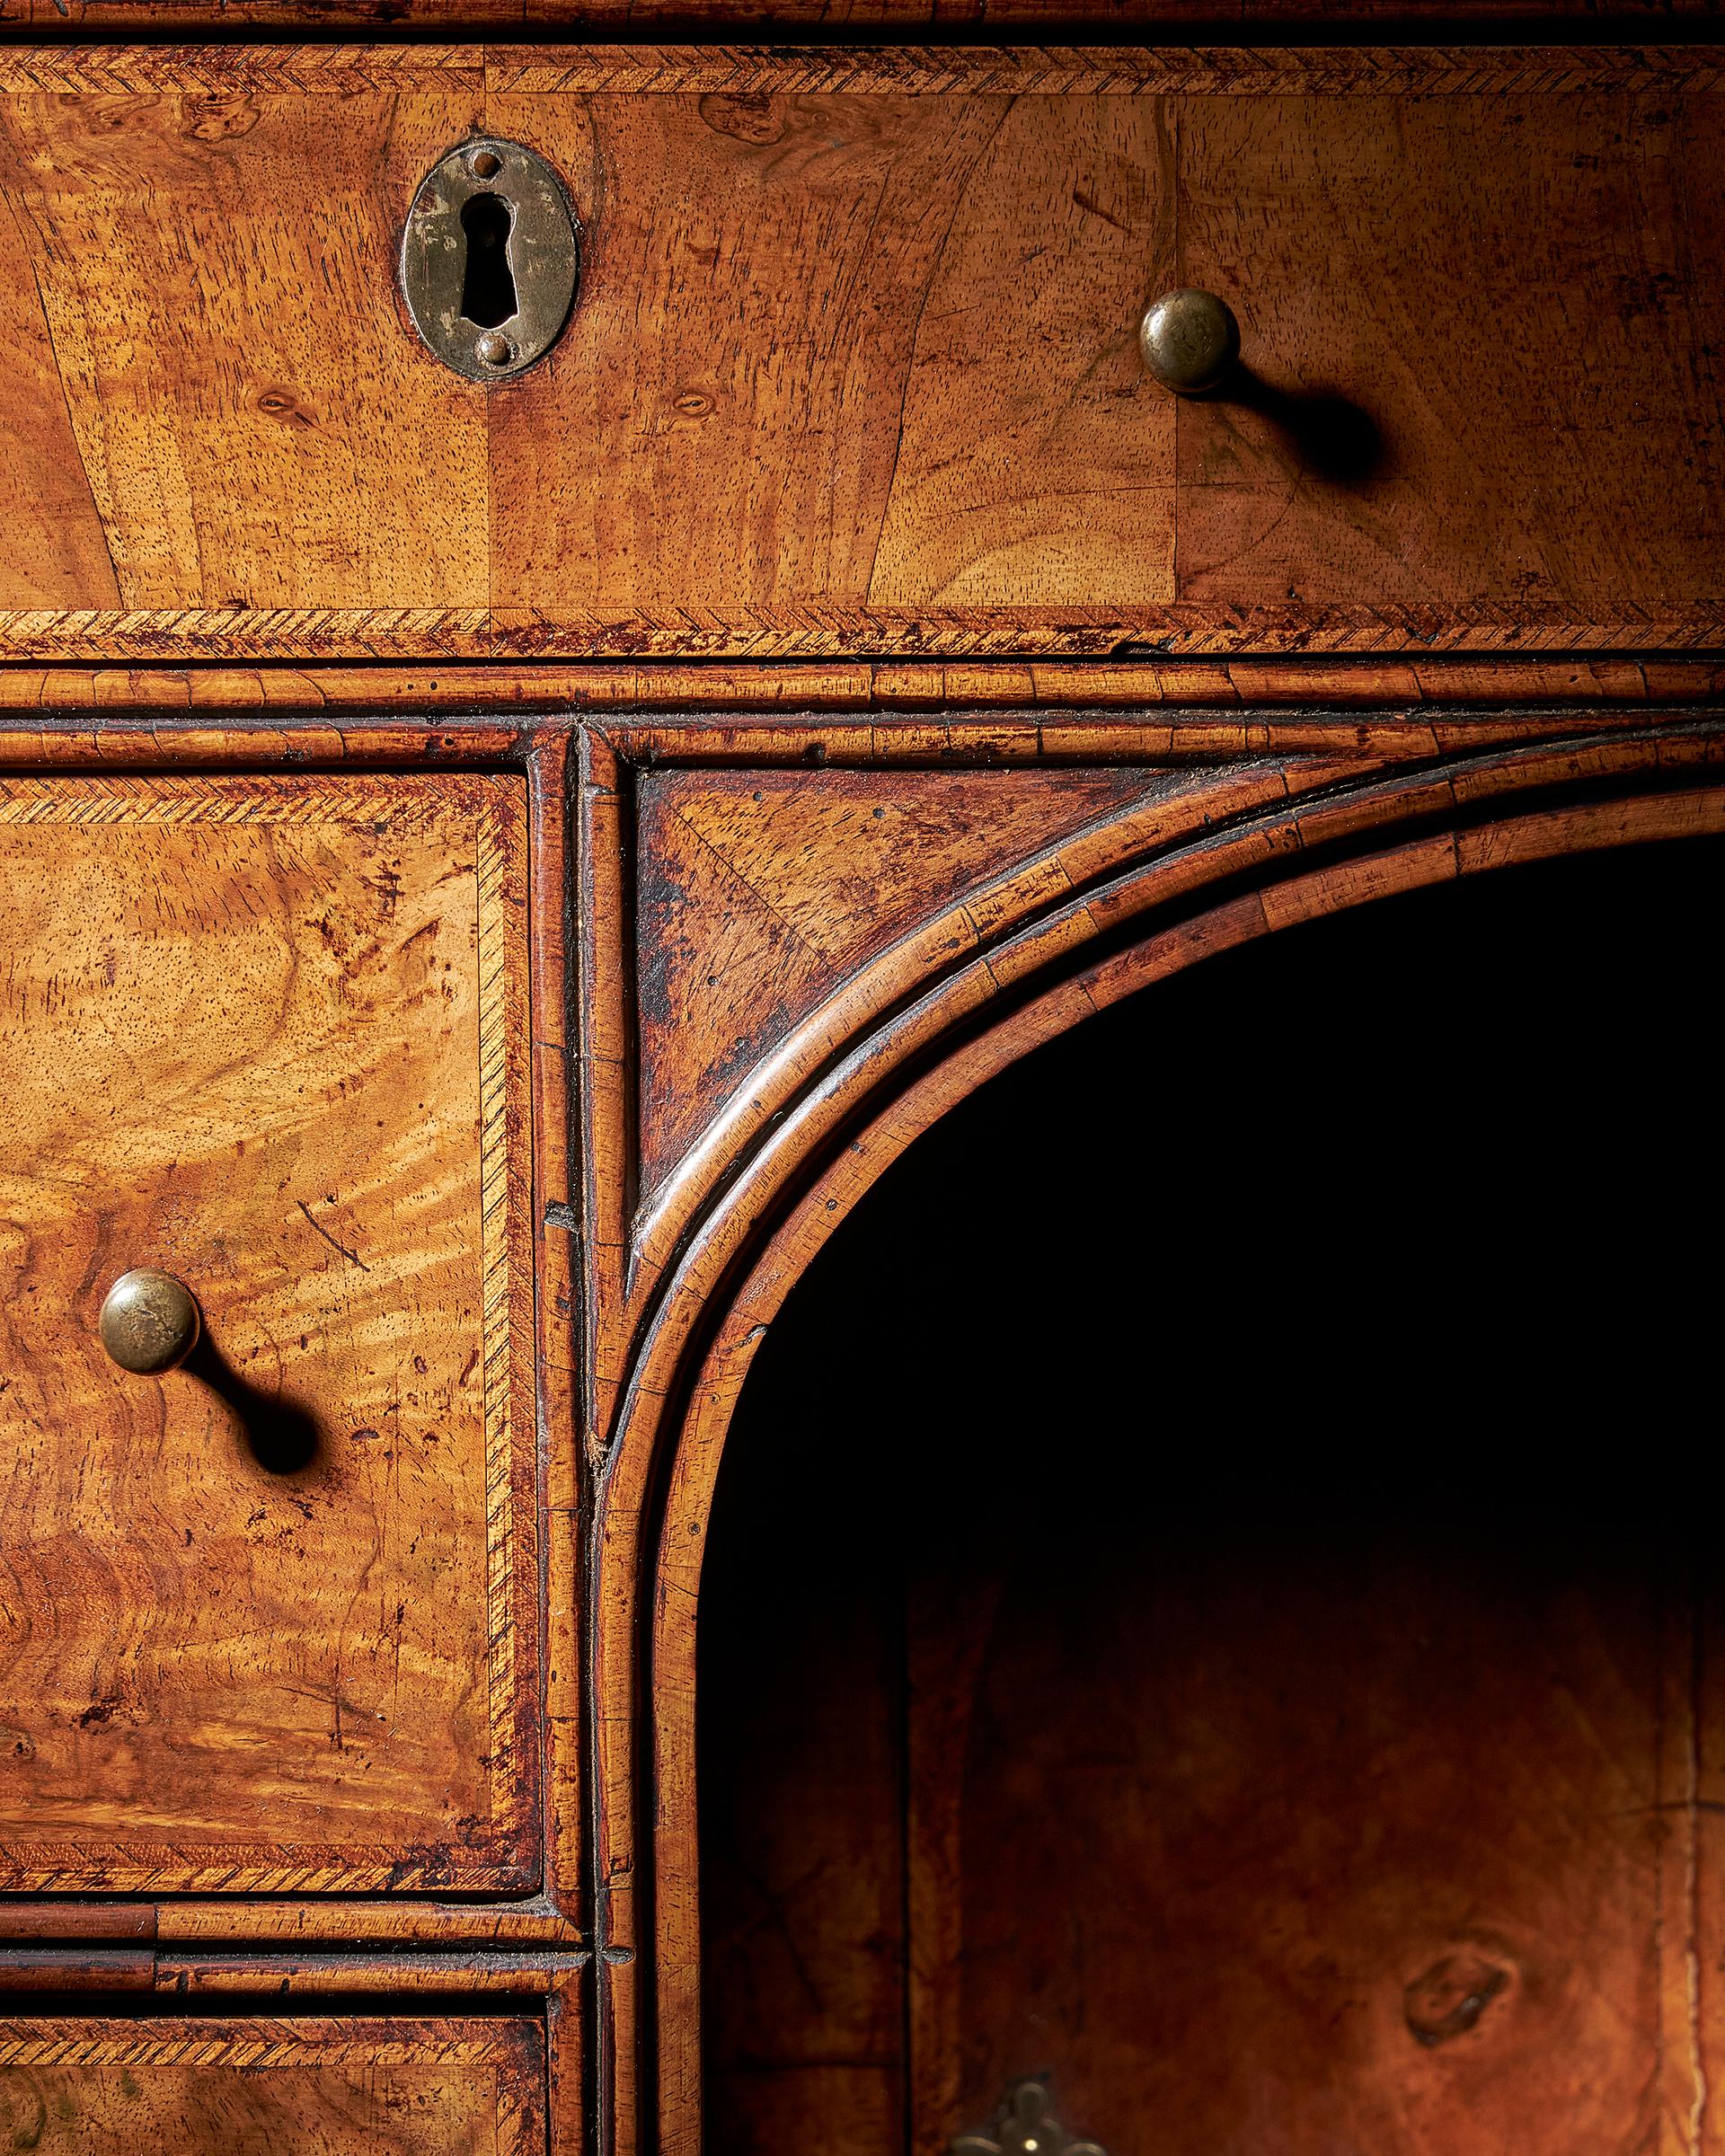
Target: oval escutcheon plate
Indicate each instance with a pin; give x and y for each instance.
(490, 259)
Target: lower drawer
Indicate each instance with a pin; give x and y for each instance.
(349, 2088)
(269, 1623)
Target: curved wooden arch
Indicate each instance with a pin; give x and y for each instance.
(976, 947)
(1151, 918)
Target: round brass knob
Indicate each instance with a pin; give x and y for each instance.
(149, 1323)
(1190, 340)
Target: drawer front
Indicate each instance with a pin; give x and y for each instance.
(753, 19)
(268, 1620)
(245, 2088)
(853, 361)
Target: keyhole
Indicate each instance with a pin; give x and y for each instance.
(488, 286)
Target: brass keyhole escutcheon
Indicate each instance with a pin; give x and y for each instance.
(490, 259)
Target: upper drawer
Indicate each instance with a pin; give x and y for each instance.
(827, 18)
(267, 1620)
(853, 365)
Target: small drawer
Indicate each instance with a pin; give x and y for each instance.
(245, 2088)
(269, 1621)
(853, 358)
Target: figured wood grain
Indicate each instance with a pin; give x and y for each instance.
(558, 1291)
(1552, 462)
(471, 1972)
(1375, 18)
(1037, 907)
(1021, 905)
(641, 1225)
(665, 68)
(219, 328)
(756, 893)
(1085, 70)
(853, 370)
(58, 551)
(204, 71)
(814, 632)
(754, 470)
(829, 1146)
(286, 1979)
(190, 1924)
(271, 1619)
(670, 712)
(1196, 630)
(349, 2088)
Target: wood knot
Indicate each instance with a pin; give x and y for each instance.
(216, 119)
(749, 116)
(284, 406)
(1448, 1999)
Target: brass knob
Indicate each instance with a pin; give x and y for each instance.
(149, 1323)
(1190, 340)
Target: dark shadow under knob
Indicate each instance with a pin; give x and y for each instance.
(1190, 340)
(149, 1323)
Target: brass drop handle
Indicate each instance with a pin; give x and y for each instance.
(1190, 340)
(149, 1323)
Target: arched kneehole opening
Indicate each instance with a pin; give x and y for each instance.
(1210, 1600)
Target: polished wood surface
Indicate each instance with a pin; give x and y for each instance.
(1364, 1831)
(907, 18)
(1450, 393)
(493, 878)
(270, 1617)
(240, 422)
(853, 366)
(943, 433)
(691, 1064)
(356, 2087)
(898, 710)
(805, 877)
(1121, 820)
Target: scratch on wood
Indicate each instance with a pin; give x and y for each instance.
(352, 1257)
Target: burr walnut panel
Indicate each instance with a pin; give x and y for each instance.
(758, 892)
(269, 1621)
(853, 367)
(243, 2088)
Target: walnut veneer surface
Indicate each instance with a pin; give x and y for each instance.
(854, 362)
(316, 2087)
(286, 1031)
(489, 877)
(259, 1033)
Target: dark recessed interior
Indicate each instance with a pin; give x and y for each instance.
(1211, 1573)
